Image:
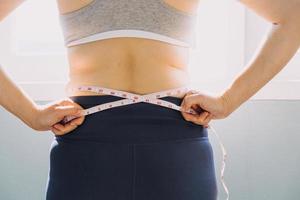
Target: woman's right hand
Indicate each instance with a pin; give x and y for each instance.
(206, 106)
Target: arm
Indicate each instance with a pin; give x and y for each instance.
(7, 6)
(12, 98)
(38, 117)
(279, 47)
(16, 101)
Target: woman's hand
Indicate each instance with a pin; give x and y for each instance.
(208, 107)
(48, 116)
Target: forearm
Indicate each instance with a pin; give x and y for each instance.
(15, 100)
(279, 46)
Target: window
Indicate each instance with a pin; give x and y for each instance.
(227, 36)
(38, 32)
(33, 49)
(220, 45)
(287, 81)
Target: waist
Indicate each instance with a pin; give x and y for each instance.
(140, 82)
(134, 123)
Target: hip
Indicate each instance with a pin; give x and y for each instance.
(174, 169)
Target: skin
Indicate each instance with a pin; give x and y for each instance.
(277, 49)
(166, 65)
(38, 117)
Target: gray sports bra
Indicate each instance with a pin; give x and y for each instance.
(152, 19)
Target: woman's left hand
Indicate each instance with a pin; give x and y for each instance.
(207, 107)
(49, 116)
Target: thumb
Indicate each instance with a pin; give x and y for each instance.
(68, 110)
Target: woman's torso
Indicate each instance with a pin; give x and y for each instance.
(134, 65)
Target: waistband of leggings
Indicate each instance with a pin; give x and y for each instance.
(140, 109)
(134, 123)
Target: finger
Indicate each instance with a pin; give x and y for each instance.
(69, 127)
(189, 101)
(77, 121)
(203, 116)
(207, 119)
(68, 110)
(69, 102)
(56, 131)
(183, 108)
(190, 92)
(65, 128)
(60, 102)
(190, 117)
(59, 127)
(200, 118)
(66, 102)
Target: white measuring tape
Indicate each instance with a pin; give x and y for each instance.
(152, 98)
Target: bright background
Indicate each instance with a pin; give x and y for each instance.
(32, 41)
(261, 137)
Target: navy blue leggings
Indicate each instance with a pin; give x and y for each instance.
(134, 152)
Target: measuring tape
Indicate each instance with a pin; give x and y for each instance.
(152, 98)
